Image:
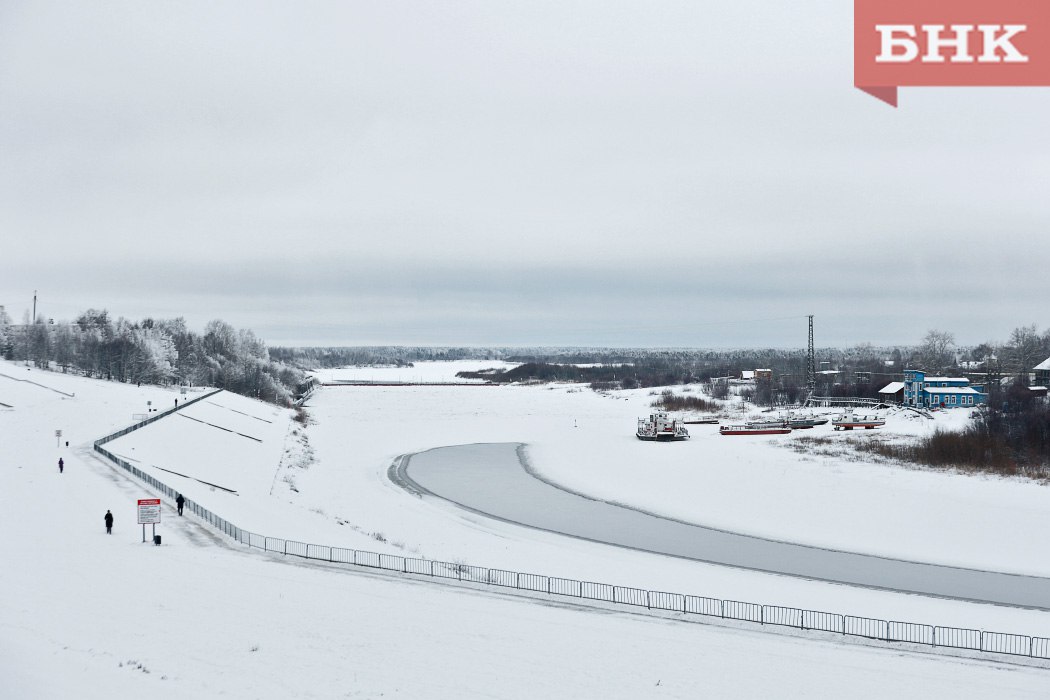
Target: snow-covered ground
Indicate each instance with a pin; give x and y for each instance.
(83, 614)
(343, 497)
(780, 487)
(756, 485)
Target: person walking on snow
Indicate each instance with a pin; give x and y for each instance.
(179, 500)
(60, 465)
(109, 523)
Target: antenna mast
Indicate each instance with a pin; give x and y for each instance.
(811, 366)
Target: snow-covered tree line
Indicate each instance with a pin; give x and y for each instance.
(154, 351)
(392, 355)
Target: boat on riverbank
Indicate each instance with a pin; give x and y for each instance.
(850, 420)
(779, 428)
(803, 422)
(661, 428)
(768, 423)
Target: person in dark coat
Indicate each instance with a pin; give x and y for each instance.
(61, 464)
(109, 523)
(179, 501)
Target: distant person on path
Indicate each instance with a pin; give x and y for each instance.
(109, 523)
(61, 464)
(179, 500)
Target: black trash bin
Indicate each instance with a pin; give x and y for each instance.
(156, 540)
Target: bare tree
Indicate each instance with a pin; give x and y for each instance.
(937, 351)
(40, 348)
(1024, 351)
(6, 335)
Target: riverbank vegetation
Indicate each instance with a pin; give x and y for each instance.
(156, 351)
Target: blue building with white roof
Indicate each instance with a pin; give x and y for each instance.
(940, 392)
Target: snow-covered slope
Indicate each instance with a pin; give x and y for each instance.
(89, 615)
(224, 439)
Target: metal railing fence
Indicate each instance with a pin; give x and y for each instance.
(153, 419)
(686, 605)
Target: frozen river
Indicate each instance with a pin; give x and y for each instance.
(495, 480)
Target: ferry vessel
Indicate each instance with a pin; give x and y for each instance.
(660, 427)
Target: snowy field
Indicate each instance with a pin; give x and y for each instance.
(83, 614)
(764, 486)
(576, 437)
(756, 485)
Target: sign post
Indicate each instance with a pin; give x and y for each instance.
(149, 514)
(58, 438)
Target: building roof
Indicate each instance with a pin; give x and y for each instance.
(1045, 364)
(946, 379)
(951, 390)
(892, 388)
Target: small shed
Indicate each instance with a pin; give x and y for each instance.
(892, 392)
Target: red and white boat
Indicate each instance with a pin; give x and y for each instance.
(754, 429)
(850, 420)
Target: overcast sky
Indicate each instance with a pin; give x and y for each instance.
(571, 173)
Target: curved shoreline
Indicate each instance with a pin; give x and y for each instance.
(496, 480)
